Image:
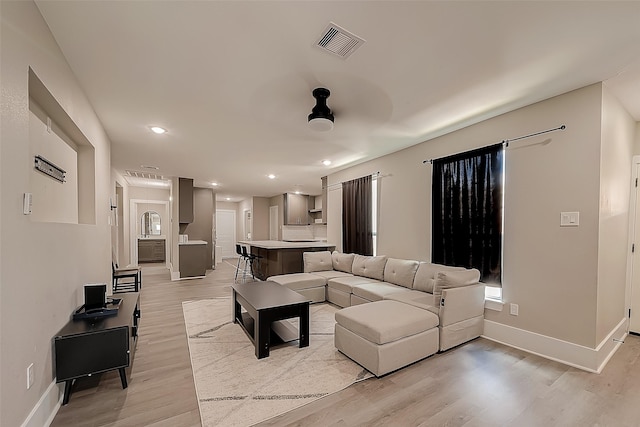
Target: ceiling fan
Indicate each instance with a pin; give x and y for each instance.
(321, 117)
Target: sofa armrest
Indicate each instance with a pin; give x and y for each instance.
(458, 304)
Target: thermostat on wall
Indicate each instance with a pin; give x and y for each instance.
(569, 219)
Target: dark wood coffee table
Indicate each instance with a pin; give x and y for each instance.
(267, 302)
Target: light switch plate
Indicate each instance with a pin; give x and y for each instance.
(513, 309)
(27, 203)
(30, 377)
(569, 219)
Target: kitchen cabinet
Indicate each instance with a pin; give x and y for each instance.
(193, 258)
(185, 202)
(318, 212)
(151, 250)
(296, 209)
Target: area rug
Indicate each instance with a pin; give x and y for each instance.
(234, 388)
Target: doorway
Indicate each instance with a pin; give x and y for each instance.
(226, 232)
(633, 289)
(247, 225)
(136, 209)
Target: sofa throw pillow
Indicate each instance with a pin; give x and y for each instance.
(455, 279)
(342, 262)
(426, 275)
(317, 261)
(400, 272)
(369, 266)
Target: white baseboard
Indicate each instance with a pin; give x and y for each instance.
(175, 275)
(578, 356)
(47, 407)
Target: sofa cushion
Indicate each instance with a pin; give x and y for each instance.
(375, 291)
(330, 274)
(342, 262)
(382, 322)
(454, 279)
(369, 266)
(317, 261)
(418, 299)
(345, 284)
(426, 275)
(400, 271)
(297, 281)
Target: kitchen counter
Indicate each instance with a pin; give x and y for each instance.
(277, 257)
(279, 244)
(193, 242)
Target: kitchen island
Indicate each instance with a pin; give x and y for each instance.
(279, 257)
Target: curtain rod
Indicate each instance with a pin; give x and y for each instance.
(374, 175)
(506, 142)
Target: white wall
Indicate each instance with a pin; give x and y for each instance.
(43, 266)
(146, 193)
(123, 221)
(551, 272)
(53, 201)
(260, 218)
(243, 205)
(618, 135)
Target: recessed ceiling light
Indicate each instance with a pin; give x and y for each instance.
(228, 198)
(326, 162)
(158, 130)
(297, 192)
(271, 176)
(215, 184)
(149, 167)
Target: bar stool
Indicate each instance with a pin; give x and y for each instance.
(241, 258)
(249, 260)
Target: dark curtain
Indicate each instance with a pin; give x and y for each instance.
(467, 211)
(357, 227)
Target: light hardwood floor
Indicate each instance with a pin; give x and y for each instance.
(480, 383)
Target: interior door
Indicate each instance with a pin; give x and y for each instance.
(634, 318)
(226, 232)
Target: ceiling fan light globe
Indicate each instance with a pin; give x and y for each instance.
(321, 124)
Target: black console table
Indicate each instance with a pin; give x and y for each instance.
(89, 346)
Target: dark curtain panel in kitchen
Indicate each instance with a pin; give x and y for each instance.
(467, 211)
(357, 226)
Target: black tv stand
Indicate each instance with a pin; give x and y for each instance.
(95, 344)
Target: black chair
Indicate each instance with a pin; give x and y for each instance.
(250, 259)
(241, 258)
(121, 278)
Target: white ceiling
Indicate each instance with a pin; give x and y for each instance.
(232, 80)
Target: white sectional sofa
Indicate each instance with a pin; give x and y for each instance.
(453, 294)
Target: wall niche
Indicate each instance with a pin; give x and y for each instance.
(54, 136)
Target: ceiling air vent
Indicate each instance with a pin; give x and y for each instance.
(339, 41)
(145, 175)
(146, 179)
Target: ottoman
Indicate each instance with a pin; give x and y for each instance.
(306, 284)
(386, 335)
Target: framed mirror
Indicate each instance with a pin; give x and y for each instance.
(150, 224)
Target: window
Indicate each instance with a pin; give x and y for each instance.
(467, 211)
(357, 227)
(374, 214)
